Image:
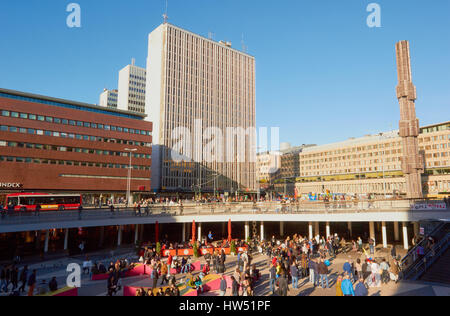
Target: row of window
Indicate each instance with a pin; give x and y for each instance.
(434, 138)
(433, 129)
(136, 96)
(397, 144)
(138, 77)
(69, 106)
(55, 120)
(70, 163)
(71, 149)
(15, 129)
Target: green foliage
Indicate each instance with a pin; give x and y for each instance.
(195, 249)
(233, 247)
(158, 248)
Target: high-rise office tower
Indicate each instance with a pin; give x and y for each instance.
(108, 98)
(132, 88)
(201, 99)
(412, 161)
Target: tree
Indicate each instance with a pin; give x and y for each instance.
(158, 248)
(195, 249)
(233, 247)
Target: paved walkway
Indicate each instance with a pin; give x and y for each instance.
(57, 268)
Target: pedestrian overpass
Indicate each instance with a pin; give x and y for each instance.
(399, 212)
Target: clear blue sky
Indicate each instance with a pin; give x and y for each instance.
(322, 74)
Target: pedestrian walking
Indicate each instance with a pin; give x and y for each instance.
(347, 286)
(272, 278)
(234, 287)
(283, 287)
(339, 286)
(14, 278)
(37, 210)
(32, 283)
(323, 274)
(23, 279)
(223, 285)
(372, 246)
(3, 284)
(294, 275)
(361, 289)
(80, 210)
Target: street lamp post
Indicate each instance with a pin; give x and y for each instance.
(130, 150)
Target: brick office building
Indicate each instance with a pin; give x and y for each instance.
(54, 145)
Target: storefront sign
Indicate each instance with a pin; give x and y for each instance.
(429, 206)
(9, 186)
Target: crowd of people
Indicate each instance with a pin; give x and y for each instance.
(301, 258)
(15, 282)
(291, 260)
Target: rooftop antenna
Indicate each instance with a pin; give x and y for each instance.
(244, 48)
(133, 61)
(211, 35)
(165, 16)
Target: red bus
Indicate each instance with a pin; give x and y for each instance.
(26, 202)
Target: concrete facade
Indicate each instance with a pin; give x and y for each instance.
(108, 98)
(132, 87)
(372, 164)
(194, 84)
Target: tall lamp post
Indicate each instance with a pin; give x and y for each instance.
(131, 151)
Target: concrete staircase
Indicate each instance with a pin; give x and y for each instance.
(439, 272)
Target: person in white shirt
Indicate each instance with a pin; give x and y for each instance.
(87, 266)
(375, 276)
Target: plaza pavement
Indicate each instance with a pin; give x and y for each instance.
(57, 268)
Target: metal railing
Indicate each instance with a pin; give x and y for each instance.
(411, 257)
(422, 265)
(215, 208)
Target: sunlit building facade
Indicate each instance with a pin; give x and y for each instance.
(194, 83)
(372, 164)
